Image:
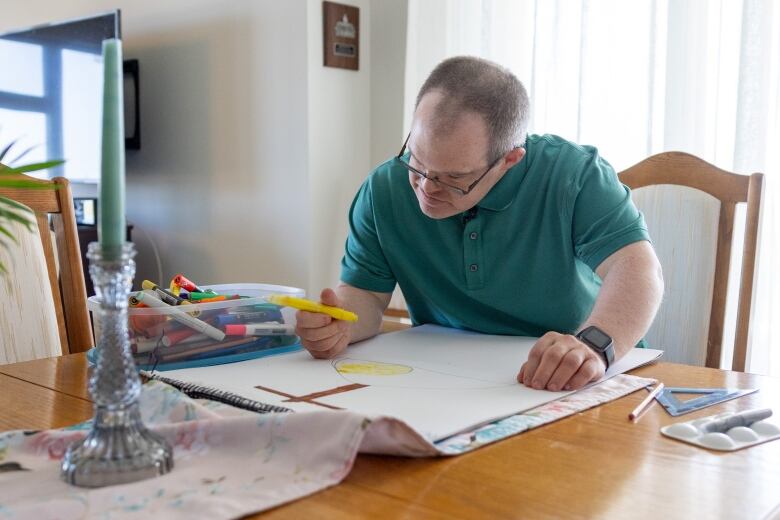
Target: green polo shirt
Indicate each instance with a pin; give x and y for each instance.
(524, 265)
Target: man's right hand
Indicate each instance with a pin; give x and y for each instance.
(323, 336)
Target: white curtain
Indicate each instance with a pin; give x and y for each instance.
(637, 78)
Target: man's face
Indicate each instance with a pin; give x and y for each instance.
(457, 156)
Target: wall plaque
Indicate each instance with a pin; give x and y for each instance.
(341, 32)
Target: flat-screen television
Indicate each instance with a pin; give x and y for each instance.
(51, 91)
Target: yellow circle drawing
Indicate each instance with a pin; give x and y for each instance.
(371, 368)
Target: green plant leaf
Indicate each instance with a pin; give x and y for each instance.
(11, 215)
(7, 233)
(31, 167)
(22, 183)
(6, 149)
(3, 270)
(21, 155)
(17, 205)
(11, 210)
(5, 245)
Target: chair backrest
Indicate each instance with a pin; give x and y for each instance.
(63, 263)
(669, 220)
(396, 316)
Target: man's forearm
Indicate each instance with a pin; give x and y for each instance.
(367, 305)
(629, 298)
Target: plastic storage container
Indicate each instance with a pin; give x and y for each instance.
(197, 334)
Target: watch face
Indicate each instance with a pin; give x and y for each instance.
(598, 338)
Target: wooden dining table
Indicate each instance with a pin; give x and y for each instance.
(594, 464)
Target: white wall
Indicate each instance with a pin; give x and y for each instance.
(251, 149)
(388, 56)
(219, 183)
(339, 144)
(355, 123)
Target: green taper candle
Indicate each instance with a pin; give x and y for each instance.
(111, 208)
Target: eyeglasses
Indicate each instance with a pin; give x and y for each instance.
(462, 191)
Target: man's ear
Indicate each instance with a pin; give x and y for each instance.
(513, 157)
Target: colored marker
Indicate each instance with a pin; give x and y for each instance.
(259, 329)
(187, 284)
(219, 298)
(195, 295)
(270, 307)
(163, 294)
(248, 313)
(191, 351)
(151, 300)
(177, 336)
(249, 317)
(310, 306)
(167, 296)
(180, 337)
(142, 345)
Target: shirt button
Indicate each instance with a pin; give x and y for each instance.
(473, 235)
(473, 267)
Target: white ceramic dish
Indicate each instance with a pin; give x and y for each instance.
(731, 440)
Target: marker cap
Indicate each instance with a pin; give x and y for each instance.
(235, 330)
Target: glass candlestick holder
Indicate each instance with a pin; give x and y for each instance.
(119, 448)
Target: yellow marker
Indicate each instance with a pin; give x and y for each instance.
(310, 306)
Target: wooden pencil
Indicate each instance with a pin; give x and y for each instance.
(648, 400)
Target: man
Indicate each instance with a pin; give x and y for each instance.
(487, 230)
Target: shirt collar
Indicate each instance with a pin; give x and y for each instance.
(501, 196)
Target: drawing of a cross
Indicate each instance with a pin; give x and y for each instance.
(310, 398)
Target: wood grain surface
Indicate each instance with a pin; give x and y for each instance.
(595, 464)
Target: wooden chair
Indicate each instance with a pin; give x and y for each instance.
(396, 316)
(64, 270)
(685, 170)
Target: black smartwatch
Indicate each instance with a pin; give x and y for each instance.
(599, 341)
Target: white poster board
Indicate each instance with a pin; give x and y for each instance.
(439, 381)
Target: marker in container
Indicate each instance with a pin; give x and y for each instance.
(139, 322)
(182, 317)
(249, 317)
(163, 294)
(310, 306)
(167, 296)
(183, 282)
(219, 298)
(195, 295)
(177, 336)
(259, 329)
(190, 351)
(745, 418)
(257, 307)
(163, 328)
(142, 345)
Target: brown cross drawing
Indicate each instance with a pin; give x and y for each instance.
(310, 398)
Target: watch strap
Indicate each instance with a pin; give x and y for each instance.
(607, 353)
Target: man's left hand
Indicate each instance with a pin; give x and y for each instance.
(560, 362)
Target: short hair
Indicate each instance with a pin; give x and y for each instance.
(471, 84)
